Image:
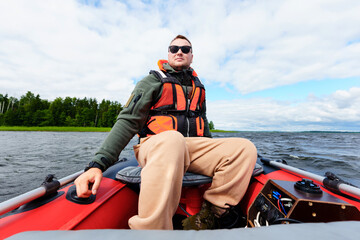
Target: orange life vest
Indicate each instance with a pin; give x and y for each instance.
(174, 110)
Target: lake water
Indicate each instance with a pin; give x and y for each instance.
(26, 158)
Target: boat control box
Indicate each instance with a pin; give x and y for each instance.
(295, 202)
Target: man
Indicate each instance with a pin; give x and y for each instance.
(167, 109)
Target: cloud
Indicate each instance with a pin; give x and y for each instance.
(61, 48)
(252, 45)
(338, 111)
(100, 49)
(265, 44)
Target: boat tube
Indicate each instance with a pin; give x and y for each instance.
(319, 231)
(278, 195)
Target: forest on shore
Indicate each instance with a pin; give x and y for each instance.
(31, 110)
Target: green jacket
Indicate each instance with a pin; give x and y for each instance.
(135, 114)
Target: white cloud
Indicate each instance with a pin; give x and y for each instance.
(63, 48)
(252, 45)
(68, 48)
(273, 43)
(338, 111)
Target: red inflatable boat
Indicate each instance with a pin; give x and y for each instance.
(277, 194)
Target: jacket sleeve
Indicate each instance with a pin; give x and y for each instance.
(129, 122)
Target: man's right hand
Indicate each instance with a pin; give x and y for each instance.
(91, 177)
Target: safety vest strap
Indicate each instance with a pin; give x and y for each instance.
(172, 96)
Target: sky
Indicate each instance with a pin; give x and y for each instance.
(267, 65)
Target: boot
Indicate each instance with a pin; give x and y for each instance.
(229, 218)
(204, 219)
(212, 217)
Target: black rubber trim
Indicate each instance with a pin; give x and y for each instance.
(36, 203)
(72, 197)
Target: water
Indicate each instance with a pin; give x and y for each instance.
(27, 157)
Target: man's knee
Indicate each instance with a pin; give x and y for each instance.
(245, 148)
(249, 146)
(243, 144)
(171, 138)
(170, 144)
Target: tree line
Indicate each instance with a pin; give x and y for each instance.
(31, 110)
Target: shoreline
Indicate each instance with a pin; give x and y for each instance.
(54, 129)
(107, 129)
(71, 129)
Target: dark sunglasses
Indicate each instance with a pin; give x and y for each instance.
(184, 49)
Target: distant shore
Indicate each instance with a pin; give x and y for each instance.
(67, 129)
(107, 129)
(224, 131)
(55, 129)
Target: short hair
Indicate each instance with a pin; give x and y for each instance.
(180, 37)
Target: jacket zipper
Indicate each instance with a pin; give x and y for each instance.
(187, 111)
(187, 119)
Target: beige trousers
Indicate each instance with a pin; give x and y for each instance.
(165, 158)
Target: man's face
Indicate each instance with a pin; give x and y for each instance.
(180, 60)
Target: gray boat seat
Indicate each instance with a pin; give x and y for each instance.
(132, 175)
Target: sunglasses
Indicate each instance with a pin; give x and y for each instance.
(184, 49)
